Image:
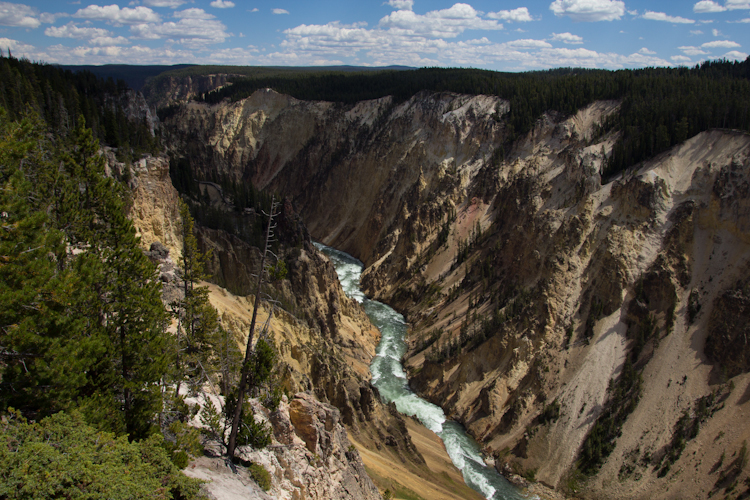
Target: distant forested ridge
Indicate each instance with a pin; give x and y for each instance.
(60, 96)
(134, 75)
(661, 107)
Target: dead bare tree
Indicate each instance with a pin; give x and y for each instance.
(242, 389)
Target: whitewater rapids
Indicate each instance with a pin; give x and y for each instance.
(390, 378)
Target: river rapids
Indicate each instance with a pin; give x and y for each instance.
(389, 377)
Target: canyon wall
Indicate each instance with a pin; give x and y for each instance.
(324, 340)
(547, 305)
(163, 91)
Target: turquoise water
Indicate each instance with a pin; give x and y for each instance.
(389, 377)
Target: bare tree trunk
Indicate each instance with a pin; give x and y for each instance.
(248, 350)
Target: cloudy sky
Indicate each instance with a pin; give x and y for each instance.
(507, 35)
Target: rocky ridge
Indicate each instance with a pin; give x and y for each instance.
(532, 284)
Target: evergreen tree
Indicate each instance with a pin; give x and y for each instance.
(124, 301)
(81, 314)
(197, 329)
(41, 351)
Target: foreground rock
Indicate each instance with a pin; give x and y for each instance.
(310, 457)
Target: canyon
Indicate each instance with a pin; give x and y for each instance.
(545, 303)
(324, 342)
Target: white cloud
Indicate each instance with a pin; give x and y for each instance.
(19, 15)
(736, 55)
(737, 4)
(746, 20)
(519, 15)
(222, 4)
(446, 23)
(568, 38)
(401, 4)
(661, 16)
(236, 56)
(195, 29)
(172, 4)
(726, 44)
(108, 41)
(193, 13)
(644, 50)
(380, 47)
(591, 59)
(707, 7)
(280, 11)
(527, 44)
(696, 32)
(61, 54)
(716, 32)
(589, 10)
(117, 54)
(681, 59)
(692, 51)
(21, 49)
(115, 15)
(335, 43)
(49, 18)
(70, 30)
(254, 9)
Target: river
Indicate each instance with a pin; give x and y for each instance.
(389, 377)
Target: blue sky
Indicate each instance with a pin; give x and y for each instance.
(504, 35)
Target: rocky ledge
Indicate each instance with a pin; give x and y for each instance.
(310, 457)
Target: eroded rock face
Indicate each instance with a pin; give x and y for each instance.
(324, 339)
(310, 457)
(360, 159)
(728, 342)
(316, 460)
(155, 211)
(313, 423)
(161, 92)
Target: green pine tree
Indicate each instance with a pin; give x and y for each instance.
(34, 294)
(82, 322)
(197, 329)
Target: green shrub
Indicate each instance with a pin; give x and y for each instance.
(63, 457)
(260, 475)
(253, 433)
(180, 459)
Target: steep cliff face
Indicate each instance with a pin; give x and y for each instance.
(543, 300)
(155, 210)
(163, 91)
(363, 160)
